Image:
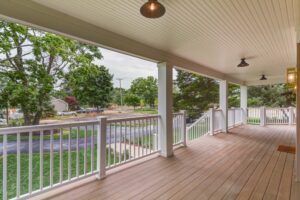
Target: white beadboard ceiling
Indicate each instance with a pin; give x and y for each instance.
(214, 33)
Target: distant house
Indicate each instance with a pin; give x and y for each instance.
(59, 105)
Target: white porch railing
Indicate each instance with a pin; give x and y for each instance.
(39, 158)
(199, 128)
(270, 116)
(253, 115)
(277, 115)
(234, 117)
(211, 122)
(217, 120)
(179, 128)
(49, 156)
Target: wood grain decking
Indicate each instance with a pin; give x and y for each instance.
(243, 164)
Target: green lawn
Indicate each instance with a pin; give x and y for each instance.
(146, 110)
(145, 142)
(12, 166)
(253, 120)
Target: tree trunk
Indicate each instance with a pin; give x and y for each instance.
(7, 115)
(27, 118)
(37, 118)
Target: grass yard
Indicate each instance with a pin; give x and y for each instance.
(12, 169)
(151, 111)
(147, 141)
(253, 120)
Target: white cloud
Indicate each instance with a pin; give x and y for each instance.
(126, 67)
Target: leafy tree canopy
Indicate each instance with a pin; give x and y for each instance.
(32, 62)
(196, 93)
(116, 95)
(91, 85)
(132, 100)
(146, 88)
(233, 95)
(279, 95)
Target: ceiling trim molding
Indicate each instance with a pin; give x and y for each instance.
(41, 17)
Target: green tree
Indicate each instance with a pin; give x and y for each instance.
(233, 95)
(91, 85)
(279, 95)
(132, 100)
(116, 95)
(146, 88)
(33, 62)
(195, 93)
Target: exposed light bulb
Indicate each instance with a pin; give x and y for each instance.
(291, 77)
(152, 6)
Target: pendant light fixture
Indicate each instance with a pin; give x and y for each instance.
(243, 63)
(263, 78)
(152, 9)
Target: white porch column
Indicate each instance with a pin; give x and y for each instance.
(298, 110)
(244, 102)
(165, 107)
(223, 101)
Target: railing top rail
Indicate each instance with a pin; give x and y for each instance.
(132, 118)
(178, 113)
(234, 108)
(25, 129)
(270, 107)
(218, 110)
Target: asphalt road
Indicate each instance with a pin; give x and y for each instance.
(115, 137)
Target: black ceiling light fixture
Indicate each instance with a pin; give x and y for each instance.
(263, 77)
(152, 9)
(243, 63)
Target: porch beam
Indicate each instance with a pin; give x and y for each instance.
(165, 108)
(223, 102)
(244, 102)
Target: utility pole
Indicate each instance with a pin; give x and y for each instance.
(121, 98)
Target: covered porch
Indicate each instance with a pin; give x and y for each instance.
(244, 164)
(221, 156)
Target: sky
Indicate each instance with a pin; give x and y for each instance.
(127, 67)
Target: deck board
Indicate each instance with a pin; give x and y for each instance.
(243, 164)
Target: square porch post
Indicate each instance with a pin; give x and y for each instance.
(298, 112)
(165, 108)
(244, 102)
(223, 102)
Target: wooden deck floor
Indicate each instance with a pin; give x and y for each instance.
(244, 164)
